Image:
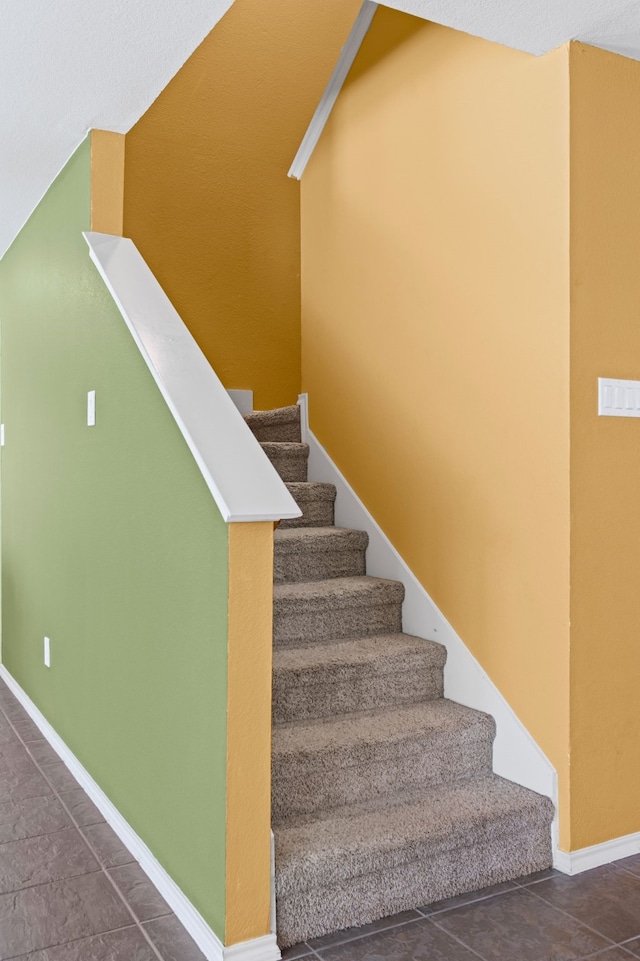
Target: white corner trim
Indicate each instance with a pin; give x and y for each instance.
(259, 949)
(332, 91)
(304, 416)
(243, 399)
(242, 480)
(273, 913)
(575, 862)
(516, 756)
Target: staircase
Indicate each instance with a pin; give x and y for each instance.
(383, 796)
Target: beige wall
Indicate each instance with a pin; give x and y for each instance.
(605, 451)
(207, 198)
(435, 265)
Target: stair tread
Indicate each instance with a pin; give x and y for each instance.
(341, 591)
(331, 846)
(320, 539)
(358, 735)
(378, 651)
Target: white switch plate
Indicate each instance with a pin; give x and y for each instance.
(1, 435)
(91, 408)
(47, 652)
(618, 398)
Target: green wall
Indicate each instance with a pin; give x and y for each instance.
(113, 547)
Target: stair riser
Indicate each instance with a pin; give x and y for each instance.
(291, 467)
(310, 565)
(315, 513)
(378, 893)
(329, 623)
(302, 785)
(285, 433)
(325, 693)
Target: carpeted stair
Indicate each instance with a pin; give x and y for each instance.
(383, 796)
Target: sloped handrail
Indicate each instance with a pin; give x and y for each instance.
(242, 480)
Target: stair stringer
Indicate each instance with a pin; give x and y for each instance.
(516, 755)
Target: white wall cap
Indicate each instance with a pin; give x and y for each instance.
(332, 91)
(242, 480)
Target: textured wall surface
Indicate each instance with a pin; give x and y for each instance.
(605, 451)
(435, 335)
(207, 197)
(113, 547)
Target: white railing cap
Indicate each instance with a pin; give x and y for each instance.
(333, 89)
(242, 480)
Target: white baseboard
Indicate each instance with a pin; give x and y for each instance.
(516, 755)
(258, 949)
(575, 862)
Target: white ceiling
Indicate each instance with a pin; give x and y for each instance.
(538, 26)
(75, 64)
(69, 65)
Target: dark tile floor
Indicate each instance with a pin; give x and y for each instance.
(544, 917)
(70, 891)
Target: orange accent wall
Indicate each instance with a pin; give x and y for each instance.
(248, 852)
(605, 451)
(207, 197)
(107, 181)
(435, 337)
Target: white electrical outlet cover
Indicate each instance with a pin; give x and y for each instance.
(91, 408)
(47, 652)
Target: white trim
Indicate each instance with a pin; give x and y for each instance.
(332, 91)
(575, 862)
(304, 416)
(242, 480)
(243, 399)
(259, 949)
(516, 756)
(273, 915)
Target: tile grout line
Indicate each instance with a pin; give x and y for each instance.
(115, 887)
(466, 904)
(314, 953)
(25, 957)
(458, 940)
(369, 934)
(587, 927)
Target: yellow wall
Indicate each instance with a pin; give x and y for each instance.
(605, 451)
(248, 854)
(207, 198)
(435, 337)
(107, 181)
